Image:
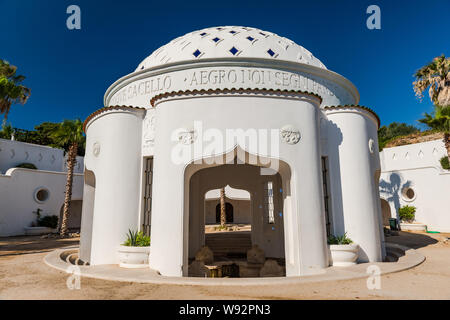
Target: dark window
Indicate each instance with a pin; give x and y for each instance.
(326, 196)
(216, 39)
(250, 38)
(203, 34)
(148, 176)
(232, 32)
(268, 201)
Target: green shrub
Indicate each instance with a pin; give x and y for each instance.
(137, 239)
(407, 213)
(48, 221)
(444, 163)
(339, 239)
(26, 166)
(220, 228)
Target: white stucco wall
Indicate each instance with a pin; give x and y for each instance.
(13, 153)
(353, 170)
(17, 197)
(254, 112)
(113, 154)
(417, 166)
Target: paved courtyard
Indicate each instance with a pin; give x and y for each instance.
(24, 275)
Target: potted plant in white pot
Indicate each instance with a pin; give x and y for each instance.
(343, 251)
(134, 252)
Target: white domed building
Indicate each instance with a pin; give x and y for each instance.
(236, 107)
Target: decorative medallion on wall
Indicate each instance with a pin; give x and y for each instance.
(371, 145)
(96, 149)
(187, 136)
(290, 134)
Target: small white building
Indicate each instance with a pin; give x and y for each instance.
(412, 175)
(238, 107)
(23, 191)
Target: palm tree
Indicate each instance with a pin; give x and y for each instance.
(436, 76)
(439, 120)
(223, 218)
(11, 91)
(69, 135)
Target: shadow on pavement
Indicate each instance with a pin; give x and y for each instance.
(14, 246)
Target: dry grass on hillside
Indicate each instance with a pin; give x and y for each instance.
(416, 137)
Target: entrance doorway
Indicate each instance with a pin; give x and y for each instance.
(269, 198)
(228, 213)
(386, 212)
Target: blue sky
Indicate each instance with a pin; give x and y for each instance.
(68, 71)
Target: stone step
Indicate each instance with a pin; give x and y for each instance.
(395, 252)
(229, 242)
(390, 259)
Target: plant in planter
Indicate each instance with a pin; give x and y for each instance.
(42, 225)
(26, 166)
(48, 221)
(343, 251)
(407, 213)
(134, 252)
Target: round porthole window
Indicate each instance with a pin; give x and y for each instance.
(41, 195)
(408, 194)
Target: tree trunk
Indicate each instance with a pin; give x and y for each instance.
(443, 97)
(447, 144)
(71, 160)
(222, 207)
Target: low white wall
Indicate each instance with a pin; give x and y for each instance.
(417, 166)
(17, 197)
(13, 153)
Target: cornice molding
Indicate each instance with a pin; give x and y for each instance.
(107, 109)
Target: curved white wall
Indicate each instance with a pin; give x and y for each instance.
(353, 179)
(306, 237)
(13, 153)
(417, 166)
(115, 136)
(18, 188)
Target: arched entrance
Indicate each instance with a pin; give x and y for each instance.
(269, 197)
(228, 213)
(386, 212)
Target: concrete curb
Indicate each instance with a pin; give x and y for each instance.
(411, 259)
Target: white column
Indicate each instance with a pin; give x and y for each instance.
(354, 182)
